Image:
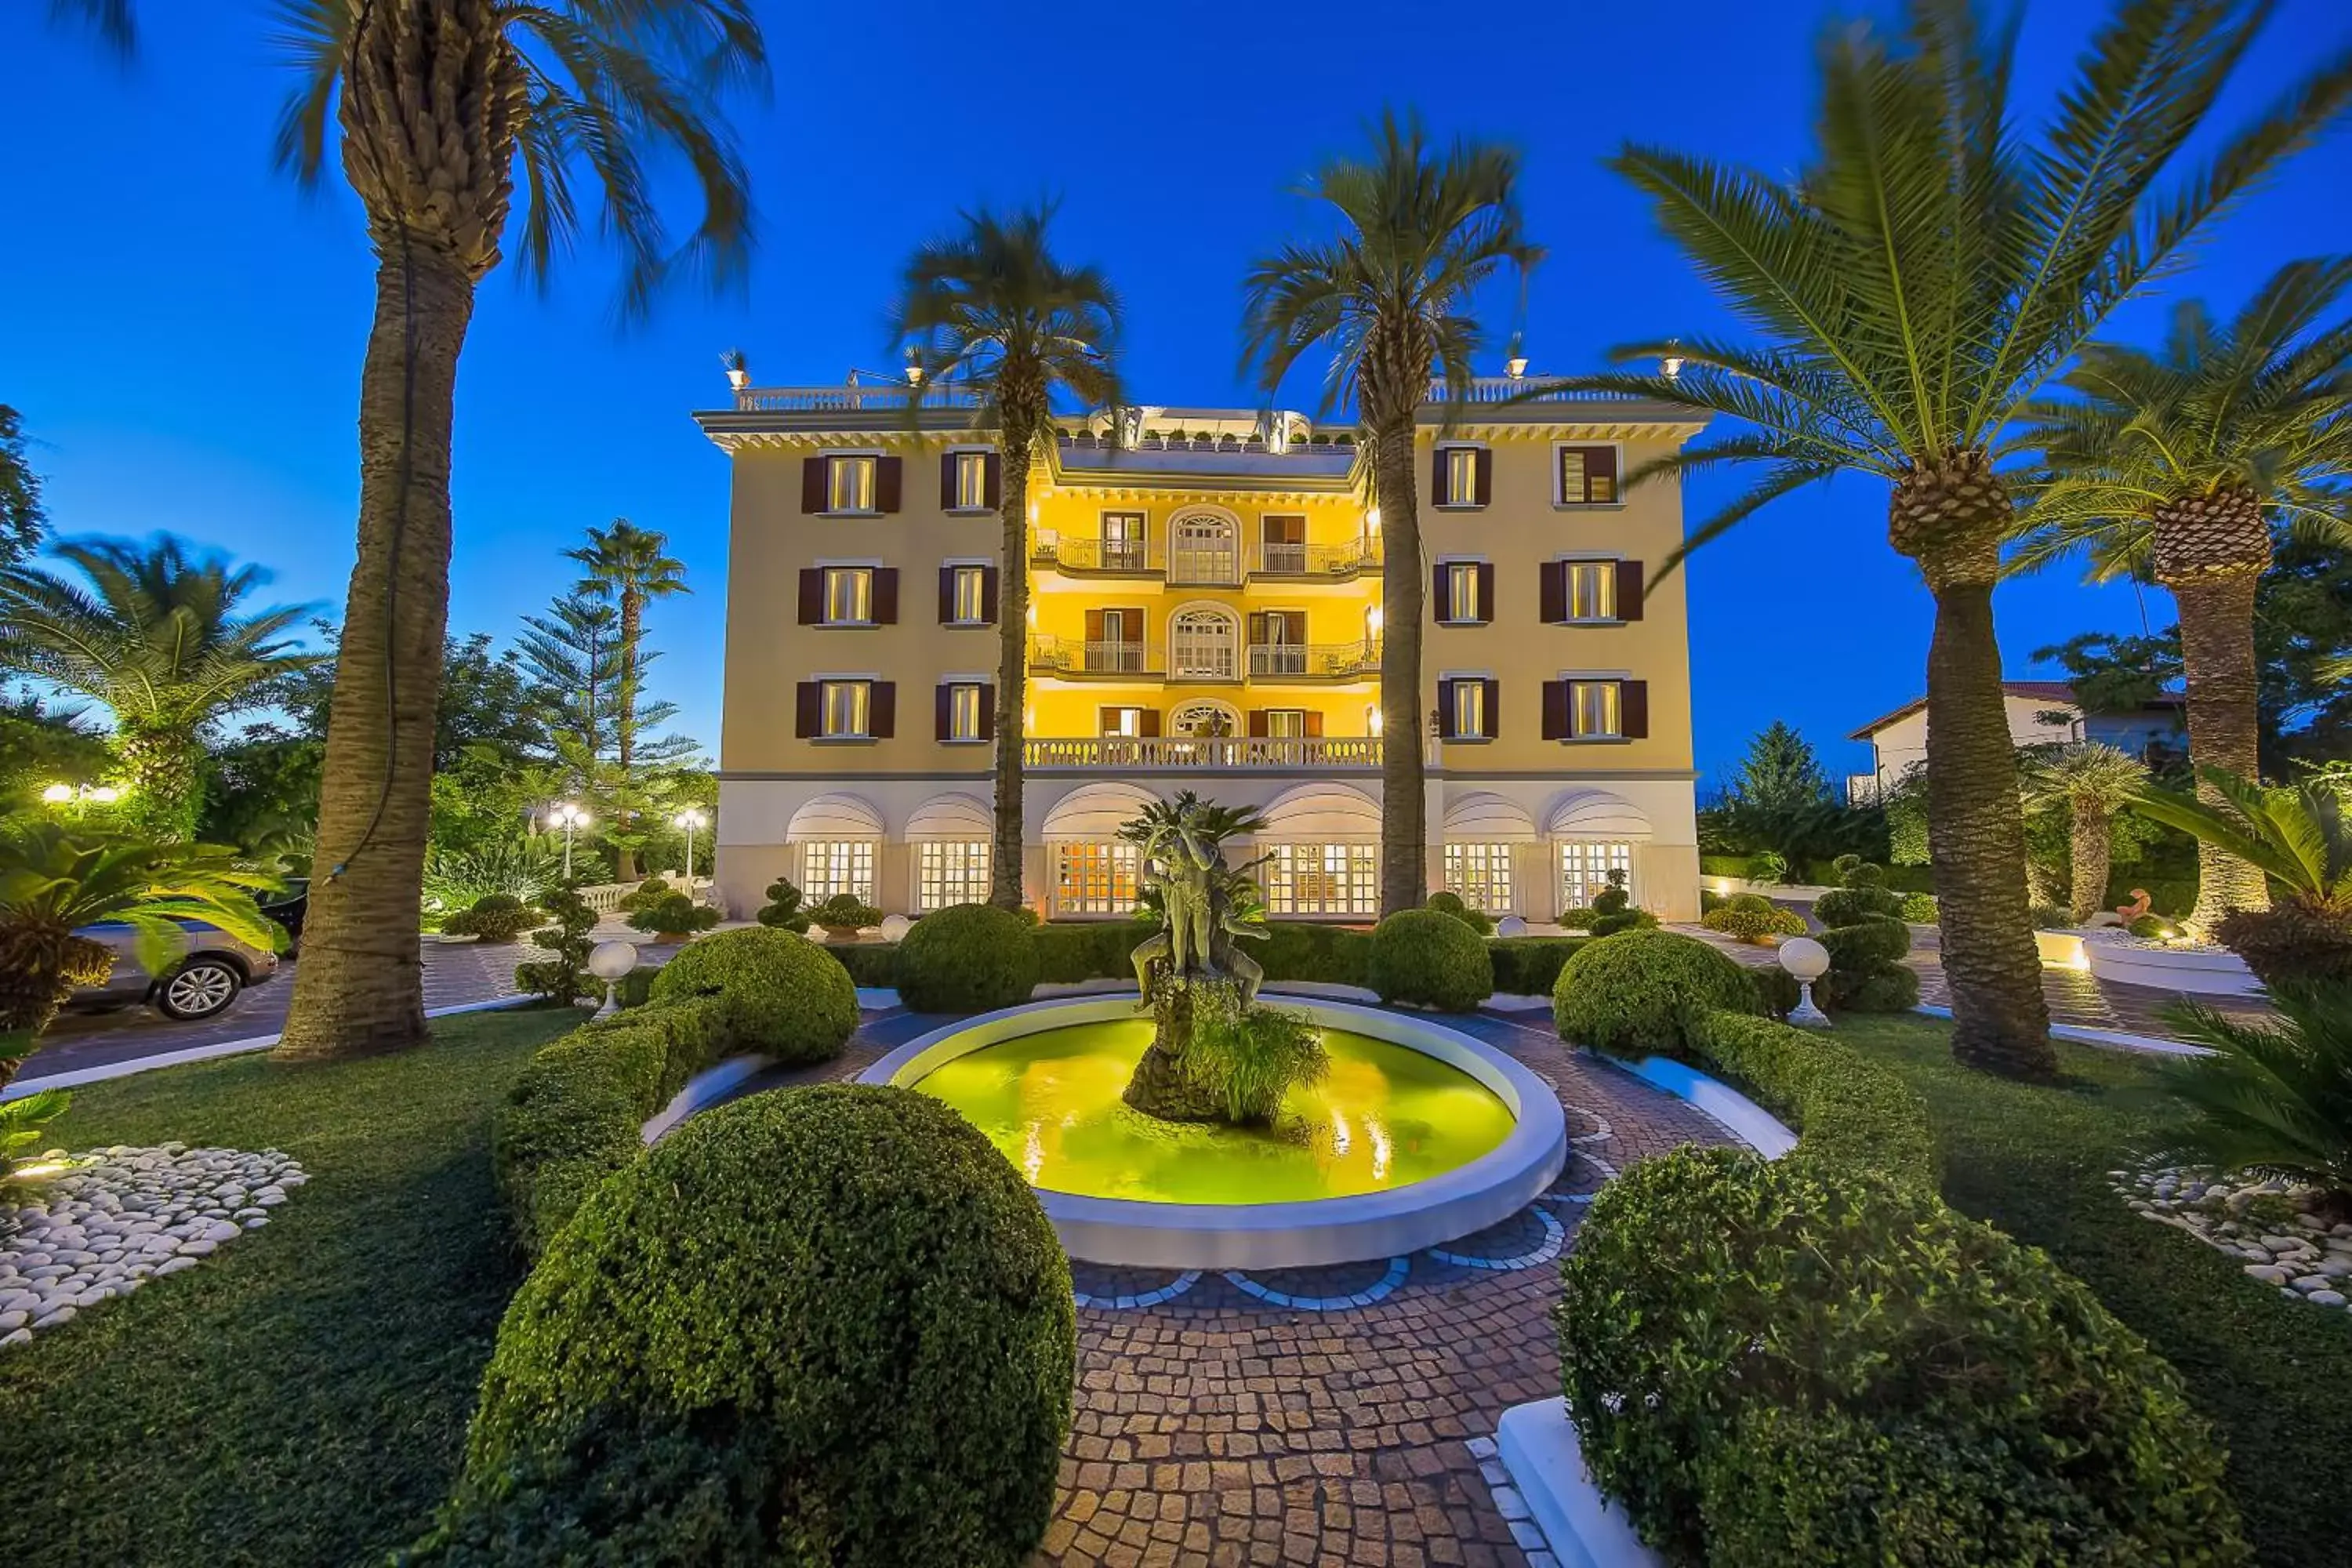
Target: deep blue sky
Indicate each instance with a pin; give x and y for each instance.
(183, 330)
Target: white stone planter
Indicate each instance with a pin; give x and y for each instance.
(2197, 971)
(1536, 1444)
(2061, 949)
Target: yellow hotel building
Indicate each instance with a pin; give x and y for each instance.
(1206, 615)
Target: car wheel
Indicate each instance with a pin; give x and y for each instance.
(199, 989)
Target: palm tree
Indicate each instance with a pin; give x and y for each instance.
(2173, 466)
(991, 307)
(1390, 299)
(626, 563)
(51, 883)
(2300, 840)
(2090, 783)
(2272, 1098)
(448, 112)
(1913, 286)
(154, 632)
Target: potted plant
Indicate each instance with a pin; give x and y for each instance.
(739, 370)
(673, 917)
(842, 917)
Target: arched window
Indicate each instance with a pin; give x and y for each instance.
(1205, 547)
(1202, 721)
(1202, 643)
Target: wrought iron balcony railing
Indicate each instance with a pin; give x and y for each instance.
(1094, 754)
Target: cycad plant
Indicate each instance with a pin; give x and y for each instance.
(2274, 1097)
(2302, 840)
(992, 308)
(1924, 273)
(1391, 298)
(2090, 783)
(52, 883)
(159, 634)
(2173, 466)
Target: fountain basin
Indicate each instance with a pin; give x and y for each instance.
(1489, 1186)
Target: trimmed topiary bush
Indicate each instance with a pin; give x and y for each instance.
(493, 918)
(645, 894)
(1577, 919)
(1786, 1362)
(1919, 909)
(1450, 903)
(1752, 916)
(872, 964)
(970, 958)
(1629, 993)
(782, 910)
(1613, 911)
(1305, 950)
(826, 1325)
(1843, 1105)
(1866, 940)
(844, 915)
(565, 976)
(1777, 991)
(1430, 959)
(1530, 965)
(782, 995)
(672, 914)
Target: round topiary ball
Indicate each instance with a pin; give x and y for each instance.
(1431, 958)
(822, 1325)
(969, 958)
(782, 995)
(1627, 993)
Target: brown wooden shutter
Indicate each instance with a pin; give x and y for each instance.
(947, 481)
(813, 484)
(1446, 730)
(1553, 579)
(1601, 462)
(992, 485)
(808, 709)
(1257, 628)
(882, 709)
(1494, 708)
(886, 483)
(1094, 626)
(1629, 590)
(1438, 578)
(1633, 708)
(943, 712)
(1485, 476)
(947, 595)
(886, 595)
(1486, 591)
(1313, 724)
(1258, 725)
(1294, 624)
(811, 595)
(1556, 725)
(987, 712)
(1437, 496)
(1148, 723)
(988, 587)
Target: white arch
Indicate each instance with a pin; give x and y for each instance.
(956, 816)
(1597, 813)
(1201, 651)
(1484, 818)
(1095, 811)
(1224, 710)
(1321, 814)
(834, 816)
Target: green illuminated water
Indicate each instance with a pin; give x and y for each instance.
(1386, 1116)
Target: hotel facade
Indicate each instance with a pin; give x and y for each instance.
(1205, 615)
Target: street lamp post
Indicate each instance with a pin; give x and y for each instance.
(689, 819)
(568, 817)
(80, 795)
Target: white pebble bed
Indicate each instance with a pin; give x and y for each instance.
(119, 1217)
(2266, 1225)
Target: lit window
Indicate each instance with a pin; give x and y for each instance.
(849, 596)
(1461, 476)
(971, 604)
(1470, 708)
(849, 484)
(971, 481)
(950, 873)
(963, 711)
(1286, 723)
(1096, 878)
(1584, 867)
(1592, 590)
(1462, 592)
(1122, 722)
(1595, 708)
(1323, 880)
(1588, 476)
(843, 706)
(1123, 541)
(1480, 876)
(835, 865)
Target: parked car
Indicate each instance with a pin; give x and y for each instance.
(201, 983)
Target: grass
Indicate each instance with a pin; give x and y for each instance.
(2272, 1375)
(302, 1396)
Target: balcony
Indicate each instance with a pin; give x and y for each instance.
(1198, 567)
(856, 398)
(1127, 753)
(1310, 561)
(1315, 661)
(1109, 660)
(1097, 557)
(1213, 661)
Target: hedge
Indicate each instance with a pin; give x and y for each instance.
(1429, 958)
(826, 1325)
(969, 958)
(1843, 1105)
(1631, 993)
(782, 995)
(1530, 965)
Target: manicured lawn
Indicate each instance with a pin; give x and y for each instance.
(2275, 1377)
(302, 1396)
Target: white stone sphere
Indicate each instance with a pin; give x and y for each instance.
(1804, 958)
(612, 960)
(894, 927)
(1510, 925)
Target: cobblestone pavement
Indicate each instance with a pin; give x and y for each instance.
(1216, 1426)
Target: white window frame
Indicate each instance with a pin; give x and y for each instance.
(1134, 554)
(1558, 484)
(1588, 861)
(977, 458)
(1286, 714)
(1461, 456)
(1479, 874)
(957, 686)
(1226, 662)
(1614, 703)
(1345, 879)
(1481, 614)
(832, 866)
(1604, 568)
(1108, 865)
(1458, 735)
(873, 461)
(825, 573)
(862, 709)
(950, 871)
(979, 570)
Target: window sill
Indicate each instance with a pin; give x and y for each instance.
(1477, 621)
(1588, 506)
(870, 512)
(1458, 506)
(842, 739)
(1591, 621)
(967, 740)
(967, 625)
(970, 510)
(1596, 740)
(847, 626)
(1468, 740)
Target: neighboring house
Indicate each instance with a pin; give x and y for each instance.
(2041, 713)
(1206, 615)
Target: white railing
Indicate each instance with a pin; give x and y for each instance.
(849, 399)
(1080, 657)
(604, 897)
(1130, 555)
(1304, 660)
(1092, 753)
(1505, 388)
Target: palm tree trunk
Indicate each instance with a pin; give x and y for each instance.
(2087, 853)
(1404, 875)
(1005, 856)
(2217, 649)
(1950, 518)
(164, 767)
(359, 986)
(624, 723)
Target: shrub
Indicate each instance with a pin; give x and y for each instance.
(1628, 994)
(1779, 1362)
(825, 1325)
(1843, 1105)
(1530, 965)
(1450, 903)
(493, 918)
(1767, 867)
(1430, 959)
(844, 912)
(970, 958)
(1919, 909)
(1075, 950)
(563, 976)
(1866, 940)
(1613, 909)
(2289, 942)
(672, 914)
(524, 868)
(1577, 919)
(1752, 916)
(646, 894)
(781, 995)
(2274, 1097)
(782, 910)
(2151, 928)
(1709, 900)
(1778, 991)
(1249, 1057)
(869, 962)
(1305, 949)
